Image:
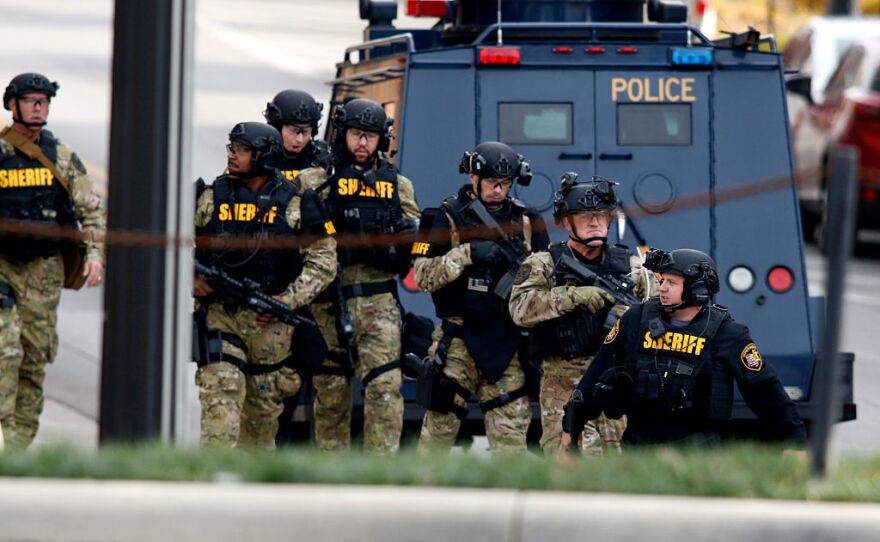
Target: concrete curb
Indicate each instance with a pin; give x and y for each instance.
(61, 511)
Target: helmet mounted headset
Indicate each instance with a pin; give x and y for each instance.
(264, 141)
(294, 107)
(362, 114)
(496, 160)
(698, 270)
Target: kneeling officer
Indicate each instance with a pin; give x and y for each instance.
(245, 366)
(669, 365)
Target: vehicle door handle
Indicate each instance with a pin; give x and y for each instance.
(575, 156)
(611, 156)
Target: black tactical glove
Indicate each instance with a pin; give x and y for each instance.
(573, 416)
(486, 253)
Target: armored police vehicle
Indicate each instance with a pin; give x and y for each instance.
(694, 130)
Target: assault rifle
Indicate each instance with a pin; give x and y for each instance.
(247, 293)
(620, 288)
(513, 249)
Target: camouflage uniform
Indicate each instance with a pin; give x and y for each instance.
(376, 341)
(28, 338)
(537, 298)
(444, 266)
(239, 409)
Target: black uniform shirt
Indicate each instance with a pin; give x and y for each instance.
(732, 347)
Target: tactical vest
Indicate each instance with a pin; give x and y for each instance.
(489, 333)
(363, 203)
(315, 154)
(578, 333)
(241, 213)
(29, 191)
(673, 371)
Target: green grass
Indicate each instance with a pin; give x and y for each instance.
(736, 471)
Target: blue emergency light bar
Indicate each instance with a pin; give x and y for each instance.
(692, 56)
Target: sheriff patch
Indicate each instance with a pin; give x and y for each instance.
(613, 333)
(329, 228)
(522, 274)
(290, 174)
(751, 358)
(420, 249)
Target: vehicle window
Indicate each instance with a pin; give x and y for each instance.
(847, 71)
(535, 123)
(875, 81)
(653, 124)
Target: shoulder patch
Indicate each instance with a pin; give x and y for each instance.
(613, 333)
(751, 358)
(522, 274)
(77, 163)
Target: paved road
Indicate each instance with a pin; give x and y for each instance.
(245, 52)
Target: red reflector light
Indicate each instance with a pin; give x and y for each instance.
(594, 50)
(701, 8)
(564, 50)
(499, 56)
(409, 282)
(627, 50)
(427, 8)
(869, 195)
(780, 279)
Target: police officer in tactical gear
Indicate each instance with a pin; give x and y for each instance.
(247, 368)
(670, 364)
(42, 182)
(296, 115)
(371, 205)
(565, 309)
(467, 249)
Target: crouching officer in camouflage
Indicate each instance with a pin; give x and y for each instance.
(462, 258)
(41, 181)
(669, 365)
(369, 203)
(296, 115)
(246, 371)
(557, 295)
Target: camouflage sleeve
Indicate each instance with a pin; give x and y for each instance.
(319, 263)
(407, 193)
(646, 284)
(534, 298)
(87, 203)
(204, 208)
(437, 262)
(313, 178)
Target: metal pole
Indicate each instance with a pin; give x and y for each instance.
(839, 239)
(142, 296)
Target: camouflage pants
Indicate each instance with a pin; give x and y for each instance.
(28, 342)
(239, 409)
(506, 426)
(377, 342)
(560, 377)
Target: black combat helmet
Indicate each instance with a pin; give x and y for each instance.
(293, 107)
(26, 83)
(573, 197)
(365, 115)
(262, 138)
(698, 269)
(493, 159)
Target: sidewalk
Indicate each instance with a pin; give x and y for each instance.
(61, 511)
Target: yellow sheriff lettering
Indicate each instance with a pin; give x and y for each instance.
(420, 249)
(245, 212)
(25, 177)
(675, 342)
(329, 228)
(290, 174)
(653, 89)
(354, 187)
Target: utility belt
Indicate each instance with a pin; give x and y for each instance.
(436, 391)
(213, 353)
(7, 296)
(341, 358)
